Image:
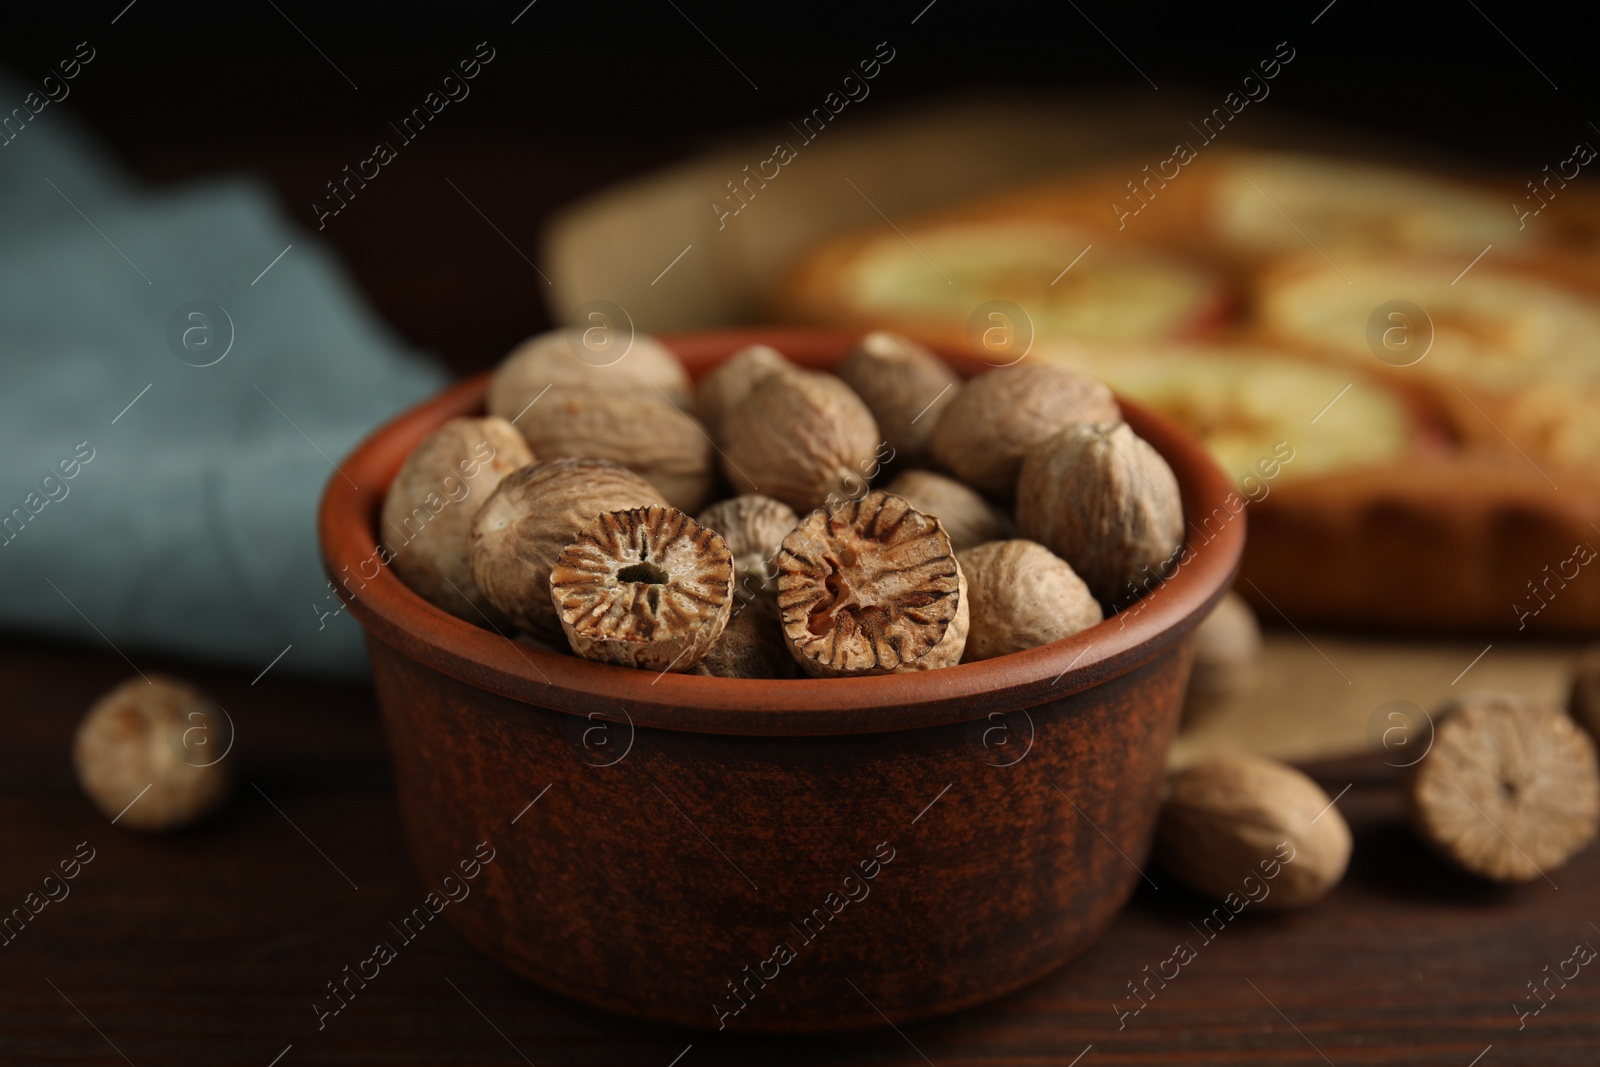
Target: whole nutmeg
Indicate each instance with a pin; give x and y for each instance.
(872, 588)
(150, 754)
(1510, 788)
(751, 646)
(1104, 500)
(727, 384)
(967, 517)
(640, 430)
(427, 516)
(530, 518)
(753, 526)
(1227, 645)
(1584, 703)
(800, 437)
(905, 386)
(1242, 825)
(998, 418)
(1022, 595)
(593, 357)
(648, 588)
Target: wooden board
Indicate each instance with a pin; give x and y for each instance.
(894, 165)
(1316, 695)
(210, 946)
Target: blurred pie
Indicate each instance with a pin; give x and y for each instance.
(1248, 402)
(1512, 356)
(1269, 204)
(1464, 541)
(1238, 209)
(939, 280)
(1414, 372)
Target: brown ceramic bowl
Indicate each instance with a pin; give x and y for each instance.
(802, 856)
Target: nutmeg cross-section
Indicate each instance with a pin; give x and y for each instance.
(647, 587)
(872, 588)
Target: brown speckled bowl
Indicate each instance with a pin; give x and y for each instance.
(805, 855)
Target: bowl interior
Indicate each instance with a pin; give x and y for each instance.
(498, 662)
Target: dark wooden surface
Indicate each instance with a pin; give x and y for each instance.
(209, 946)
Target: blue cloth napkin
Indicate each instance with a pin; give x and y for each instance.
(148, 501)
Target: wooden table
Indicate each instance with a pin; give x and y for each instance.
(209, 946)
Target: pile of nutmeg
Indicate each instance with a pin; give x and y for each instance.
(607, 506)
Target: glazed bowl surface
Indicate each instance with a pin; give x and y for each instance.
(802, 855)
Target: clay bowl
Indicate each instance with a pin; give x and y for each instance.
(801, 856)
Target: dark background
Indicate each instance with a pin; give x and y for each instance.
(582, 94)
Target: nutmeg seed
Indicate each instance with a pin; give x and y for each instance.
(751, 646)
(1022, 595)
(905, 386)
(151, 754)
(872, 588)
(800, 436)
(562, 358)
(1235, 818)
(1510, 788)
(727, 384)
(534, 514)
(1104, 500)
(753, 526)
(1227, 644)
(642, 431)
(998, 418)
(967, 517)
(428, 512)
(648, 587)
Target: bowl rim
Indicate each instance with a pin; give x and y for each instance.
(487, 659)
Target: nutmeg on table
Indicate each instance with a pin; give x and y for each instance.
(1233, 821)
(1509, 789)
(152, 754)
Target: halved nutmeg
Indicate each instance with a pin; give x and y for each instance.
(648, 587)
(530, 517)
(872, 588)
(1510, 790)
